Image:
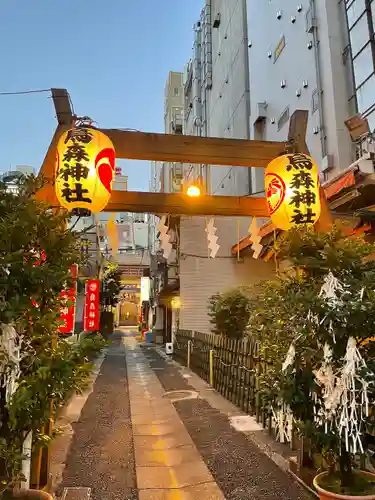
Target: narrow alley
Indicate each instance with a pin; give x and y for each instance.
(142, 431)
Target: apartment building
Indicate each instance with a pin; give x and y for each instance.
(316, 55)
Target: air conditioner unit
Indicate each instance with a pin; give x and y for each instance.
(311, 22)
(261, 111)
(327, 163)
(366, 164)
(217, 20)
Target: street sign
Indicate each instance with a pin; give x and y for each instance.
(91, 312)
(68, 312)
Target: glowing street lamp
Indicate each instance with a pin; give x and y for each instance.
(193, 191)
(176, 303)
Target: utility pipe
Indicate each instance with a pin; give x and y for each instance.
(316, 42)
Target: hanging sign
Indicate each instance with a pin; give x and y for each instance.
(145, 289)
(85, 167)
(292, 191)
(68, 313)
(91, 312)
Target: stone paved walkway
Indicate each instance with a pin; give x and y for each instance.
(130, 441)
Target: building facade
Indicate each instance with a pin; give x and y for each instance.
(217, 104)
(12, 177)
(167, 178)
(314, 55)
(216, 87)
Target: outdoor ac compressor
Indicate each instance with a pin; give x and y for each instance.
(169, 348)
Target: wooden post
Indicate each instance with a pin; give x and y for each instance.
(211, 367)
(189, 354)
(297, 140)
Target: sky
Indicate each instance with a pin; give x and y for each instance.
(113, 57)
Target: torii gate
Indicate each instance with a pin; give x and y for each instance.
(184, 149)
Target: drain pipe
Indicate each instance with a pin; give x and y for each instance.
(316, 42)
(197, 78)
(206, 75)
(247, 83)
(208, 45)
(197, 108)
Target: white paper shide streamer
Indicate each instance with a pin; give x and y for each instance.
(10, 346)
(343, 391)
(165, 237)
(212, 238)
(282, 415)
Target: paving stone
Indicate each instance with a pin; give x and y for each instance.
(188, 474)
(147, 419)
(170, 457)
(239, 467)
(207, 491)
(152, 429)
(101, 455)
(162, 443)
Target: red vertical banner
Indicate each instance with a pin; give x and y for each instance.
(68, 313)
(91, 312)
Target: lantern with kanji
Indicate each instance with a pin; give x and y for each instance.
(85, 167)
(292, 191)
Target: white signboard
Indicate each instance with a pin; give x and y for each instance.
(145, 289)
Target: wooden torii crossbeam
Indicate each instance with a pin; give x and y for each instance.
(180, 149)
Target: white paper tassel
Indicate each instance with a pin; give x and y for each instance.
(289, 360)
(345, 396)
(283, 422)
(332, 290)
(10, 344)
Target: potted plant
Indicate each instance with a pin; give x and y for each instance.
(37, 370)
(315, 325)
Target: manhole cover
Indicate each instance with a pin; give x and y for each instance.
(180, 395)
(76, 494)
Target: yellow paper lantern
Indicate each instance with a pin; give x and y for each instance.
(85, 167)
(292, 191)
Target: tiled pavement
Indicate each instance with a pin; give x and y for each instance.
(131, 442)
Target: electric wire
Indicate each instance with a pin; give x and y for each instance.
(39, 91)
(24, 92)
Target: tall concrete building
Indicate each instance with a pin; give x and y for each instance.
(216, 82)
(314, 55)
(217, 104)
(166, 177)
(169, 175)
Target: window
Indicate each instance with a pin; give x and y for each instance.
(360, 17)
(371, 120)
(355, 10)
(315, 101)
(279, 48)
(363, 65)
(359, 35)
(366, 95)
(176, 91)
(284, 118)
